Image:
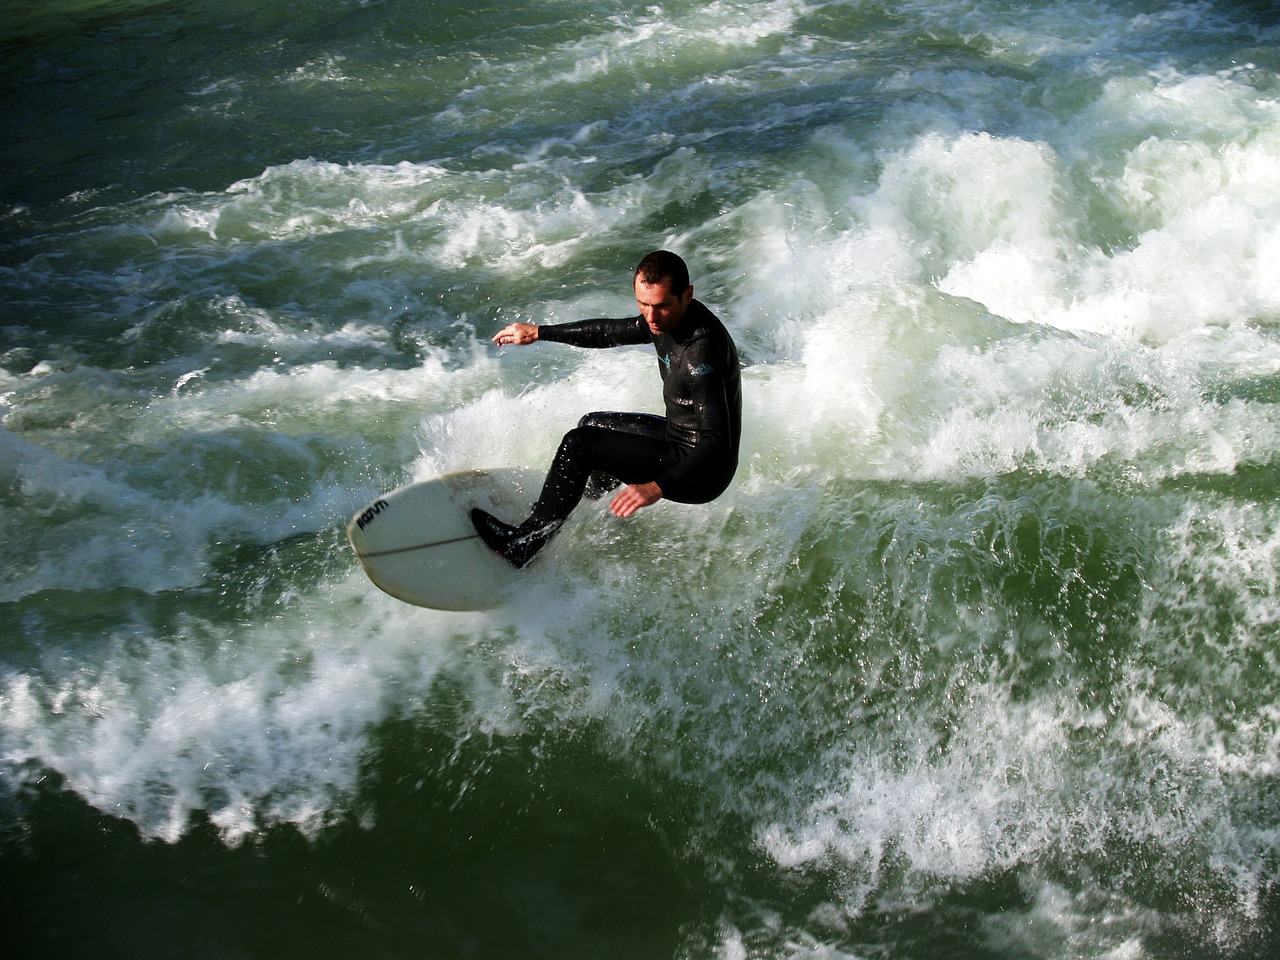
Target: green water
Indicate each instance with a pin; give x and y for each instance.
(976, 658)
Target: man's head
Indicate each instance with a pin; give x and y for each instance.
(663, 291)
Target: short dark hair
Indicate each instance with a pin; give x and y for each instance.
(664, 265)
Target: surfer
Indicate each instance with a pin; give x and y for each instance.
(688, 456)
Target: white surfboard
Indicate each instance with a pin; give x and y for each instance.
(417, 542)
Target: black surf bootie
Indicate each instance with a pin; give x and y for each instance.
(516, 545)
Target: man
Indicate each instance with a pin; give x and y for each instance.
(688, 456)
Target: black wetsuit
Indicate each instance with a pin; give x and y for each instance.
(691, 453)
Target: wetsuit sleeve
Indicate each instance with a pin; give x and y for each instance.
(703, 474)
(597, 333)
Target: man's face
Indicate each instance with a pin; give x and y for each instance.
(662, 310)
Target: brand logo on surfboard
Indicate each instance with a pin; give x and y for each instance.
(367, 517)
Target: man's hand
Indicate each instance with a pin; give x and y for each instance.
(634, 496)
(517, 333)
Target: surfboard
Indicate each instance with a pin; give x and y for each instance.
(417, 542)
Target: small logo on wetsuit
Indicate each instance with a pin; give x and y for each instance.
(702, 369)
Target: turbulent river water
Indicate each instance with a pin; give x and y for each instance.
(976, 658)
